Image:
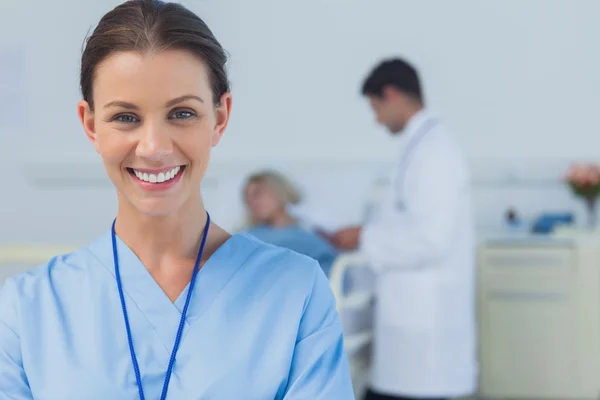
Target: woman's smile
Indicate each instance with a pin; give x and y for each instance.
(154, 180)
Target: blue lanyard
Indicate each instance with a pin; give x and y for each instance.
(181, 322)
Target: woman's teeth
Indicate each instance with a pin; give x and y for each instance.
(157, 178)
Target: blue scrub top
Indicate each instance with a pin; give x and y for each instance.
(261, 324)
(300, 240)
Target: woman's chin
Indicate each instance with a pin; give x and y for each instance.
(157, 207)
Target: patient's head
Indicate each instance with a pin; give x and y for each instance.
(394, 91)
(267, 194)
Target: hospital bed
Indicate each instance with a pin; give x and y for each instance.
(352, 284)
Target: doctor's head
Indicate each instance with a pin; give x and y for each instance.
(155, 101)
(394, 92)
(267, 195)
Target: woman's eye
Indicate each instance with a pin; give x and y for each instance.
(182, 115)
(125, 119)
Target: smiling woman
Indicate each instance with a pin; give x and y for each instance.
(166, 301)
(147, 117)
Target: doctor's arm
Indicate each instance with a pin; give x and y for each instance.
(425, 228)
(319, 369)
(13, 381)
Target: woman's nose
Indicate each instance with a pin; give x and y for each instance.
(154, 144)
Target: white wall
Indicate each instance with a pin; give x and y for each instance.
(516, 78)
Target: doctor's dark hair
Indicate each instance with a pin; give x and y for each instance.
(152, 26)
(393, 72)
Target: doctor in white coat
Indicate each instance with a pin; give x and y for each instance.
(420, 242)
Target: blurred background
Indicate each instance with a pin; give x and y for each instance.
(516, 81)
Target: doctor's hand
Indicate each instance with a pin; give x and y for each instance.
(346, 238)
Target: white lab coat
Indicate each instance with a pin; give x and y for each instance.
(420, 242)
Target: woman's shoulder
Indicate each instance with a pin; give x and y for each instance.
(61, 268)
(264, 259)
(292, 280)
(264, 254)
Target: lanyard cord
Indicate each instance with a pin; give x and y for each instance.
(136, 368)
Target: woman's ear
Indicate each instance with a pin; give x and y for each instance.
(86, 116)
(223, 112)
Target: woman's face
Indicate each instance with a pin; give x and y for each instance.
(154, 123)
(262, 201)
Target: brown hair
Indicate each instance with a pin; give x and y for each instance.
(152, 25)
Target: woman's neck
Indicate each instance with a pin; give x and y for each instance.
(160, 241)
(282, 219)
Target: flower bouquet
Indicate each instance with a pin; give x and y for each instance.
(584, 180)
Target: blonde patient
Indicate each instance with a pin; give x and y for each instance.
(268, 195)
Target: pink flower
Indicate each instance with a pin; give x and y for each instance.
(583, 175)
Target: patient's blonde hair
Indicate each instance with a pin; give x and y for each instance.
(284, 189)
